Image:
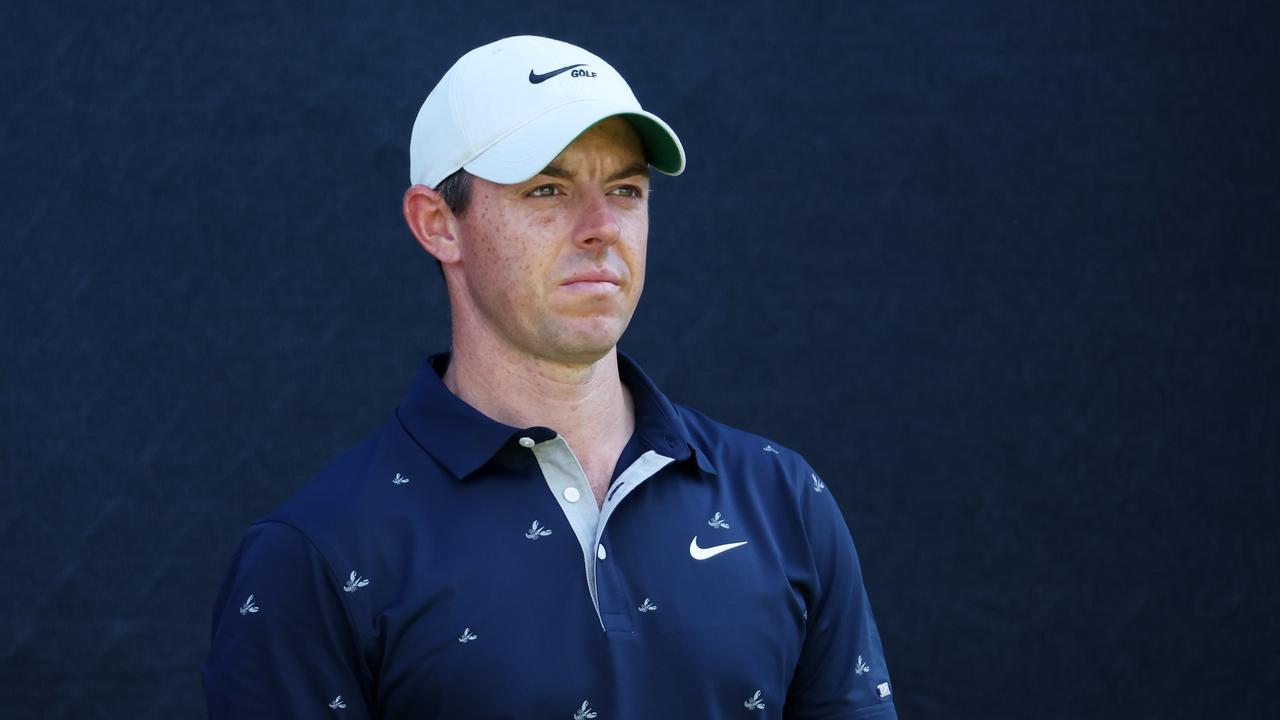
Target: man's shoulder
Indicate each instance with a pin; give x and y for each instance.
(357, 489)
(740, 450)
(762, 476)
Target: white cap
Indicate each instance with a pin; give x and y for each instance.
(505, 110)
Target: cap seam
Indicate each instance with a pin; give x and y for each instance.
(457, 119)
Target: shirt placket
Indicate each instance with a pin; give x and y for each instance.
(568, 484)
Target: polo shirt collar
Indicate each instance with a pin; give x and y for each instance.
(463, 439)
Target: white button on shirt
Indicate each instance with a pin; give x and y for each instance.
(600, 553)
(571, 494)
(526, 442)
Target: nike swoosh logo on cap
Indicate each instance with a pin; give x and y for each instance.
(701, 553)
(536, 78)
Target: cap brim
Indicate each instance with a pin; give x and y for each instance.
(525, 151)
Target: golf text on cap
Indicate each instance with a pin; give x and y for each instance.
(536, 78)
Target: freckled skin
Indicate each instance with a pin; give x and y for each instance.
(519, 243)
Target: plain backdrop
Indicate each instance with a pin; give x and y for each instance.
(1005, 273)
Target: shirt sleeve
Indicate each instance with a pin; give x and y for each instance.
(283, 645)
(842, 672)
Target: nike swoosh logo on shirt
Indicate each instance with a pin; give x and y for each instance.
(536, 78)
(701, 553)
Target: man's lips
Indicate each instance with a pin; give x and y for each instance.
(592, 280)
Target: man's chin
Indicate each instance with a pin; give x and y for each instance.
(585, 346)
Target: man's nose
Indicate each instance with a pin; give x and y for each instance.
(597, 223)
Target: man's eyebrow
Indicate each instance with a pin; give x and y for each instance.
(632, 170)
(557, 172)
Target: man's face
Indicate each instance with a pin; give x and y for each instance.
(554, 266)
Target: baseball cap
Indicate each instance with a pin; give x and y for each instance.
(505, 110)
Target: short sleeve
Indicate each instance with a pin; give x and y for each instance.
(282, 644)
(842, 672)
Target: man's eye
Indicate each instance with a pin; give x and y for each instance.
(543, 191)
(629, 191)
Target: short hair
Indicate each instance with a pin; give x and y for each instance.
(456, 191)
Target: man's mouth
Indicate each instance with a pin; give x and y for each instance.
(595, 281)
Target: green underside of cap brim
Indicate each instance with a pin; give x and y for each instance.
(660, 149)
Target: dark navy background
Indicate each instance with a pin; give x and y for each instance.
(1005, 273)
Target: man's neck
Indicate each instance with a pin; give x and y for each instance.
(587, 404)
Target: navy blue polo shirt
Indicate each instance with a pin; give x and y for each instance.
(450, 566)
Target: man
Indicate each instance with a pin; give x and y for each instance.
(537, 532)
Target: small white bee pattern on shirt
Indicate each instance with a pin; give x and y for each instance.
(755, 702)
(769, 448)
(337, 704)
(862, 667)
(818, 485)
(536, 531)
(400, 479)
(355, 582)
(466, 636)
(248, 606)
(717, 521)
(585, 712)
(647, 606)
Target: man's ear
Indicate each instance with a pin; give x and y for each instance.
(432, 223)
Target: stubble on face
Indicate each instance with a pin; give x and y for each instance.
(552, 268)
